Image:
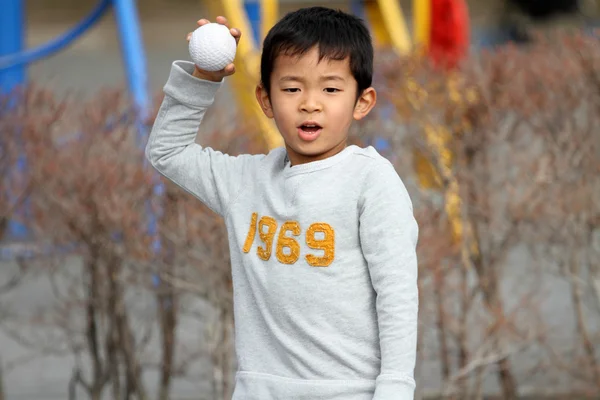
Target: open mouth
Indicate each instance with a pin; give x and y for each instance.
(310, 128)
(309, 131)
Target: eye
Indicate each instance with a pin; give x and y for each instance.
(332, 90)
(291, 90)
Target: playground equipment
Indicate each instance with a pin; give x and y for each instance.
(439, 27)
(384, 18)
(14, 60)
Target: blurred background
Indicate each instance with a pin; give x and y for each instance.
(116, 285)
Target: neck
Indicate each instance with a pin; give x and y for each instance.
(299, 159)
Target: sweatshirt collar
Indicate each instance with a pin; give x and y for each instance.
(288, 170)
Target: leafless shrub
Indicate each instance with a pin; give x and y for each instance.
(92, 198)
(508, 142)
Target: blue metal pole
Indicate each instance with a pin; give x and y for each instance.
(132, 48)
(29, 56)
(12, 33)
(252, 8)
(11, 42)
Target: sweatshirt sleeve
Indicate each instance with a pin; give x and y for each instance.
(211, 176)
(388, 235)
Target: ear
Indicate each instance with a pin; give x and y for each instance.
(365, 103)
(263, 100)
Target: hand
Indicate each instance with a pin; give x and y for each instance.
(216, 76)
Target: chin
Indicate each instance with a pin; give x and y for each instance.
(310, 149)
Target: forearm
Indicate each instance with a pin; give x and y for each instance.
(397, 311)
(172, 148)
(182, 110)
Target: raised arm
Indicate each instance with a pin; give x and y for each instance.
(213, 177)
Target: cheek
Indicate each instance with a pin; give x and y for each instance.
(282, 108)
(343, 112)
(284, 119)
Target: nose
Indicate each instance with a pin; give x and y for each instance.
(310, 103)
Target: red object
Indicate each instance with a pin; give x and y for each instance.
(449, 33)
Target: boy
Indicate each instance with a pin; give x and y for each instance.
(322, 235)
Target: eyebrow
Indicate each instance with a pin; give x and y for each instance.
(290, 78)
(332, 78)
(293, 78)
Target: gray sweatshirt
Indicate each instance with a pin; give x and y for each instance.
(323, 258)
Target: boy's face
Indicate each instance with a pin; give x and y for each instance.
(313, 104)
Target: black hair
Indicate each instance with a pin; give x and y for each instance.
(337, 34)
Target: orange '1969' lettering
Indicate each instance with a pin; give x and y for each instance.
(287, 248)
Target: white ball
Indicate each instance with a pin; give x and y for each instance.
(212, 47)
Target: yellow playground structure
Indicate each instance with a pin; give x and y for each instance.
(385, 18)
(388, 28)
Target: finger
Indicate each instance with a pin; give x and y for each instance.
(223, 21)
(236, 33)
(203, 21)
(229, 70)
(189, 36)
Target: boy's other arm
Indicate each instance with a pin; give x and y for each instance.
(388, 235)
(211, 176)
